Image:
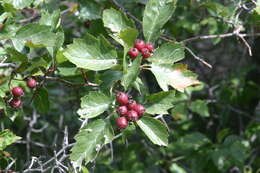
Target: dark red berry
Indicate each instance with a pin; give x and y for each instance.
(31, 83)
(15, 103)
(17, 91)
(87, 24)
(131, 104)
(132, 115)
(140, 109)
(145, 53)
(149, 46)
(122, 98)
(133, 53)
(139, 44)
(121, 122)
(122, 110)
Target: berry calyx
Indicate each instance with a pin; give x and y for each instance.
(15, 103)
(122, 98)
(31, 83)
(149, 46)
(140, 109)
(132, 115)
(121, 122)
(17, 91)
(122, 110)
(133, 53)
(131, 104)
(145, 53)
(139, 44)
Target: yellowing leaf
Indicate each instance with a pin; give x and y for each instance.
(177, 76)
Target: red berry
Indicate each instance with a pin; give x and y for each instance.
(140, 109)
(133, 53)
(145, 53)
(17, 91)
(121, 122)
(149, 46)
(132, 115)
(139, 44)
(31, 83)
(122, 110)
(15, 103)
(131, 104)
(122, 98)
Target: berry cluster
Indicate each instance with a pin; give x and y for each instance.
(140, 46)
(18, 92)
(129, 110)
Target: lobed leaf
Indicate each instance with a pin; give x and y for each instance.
(91, 53)
(93, 104)
(176, 76)
(156, 14)
(154, 130)
(89, 141)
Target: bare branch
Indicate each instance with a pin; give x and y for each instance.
(198, 58)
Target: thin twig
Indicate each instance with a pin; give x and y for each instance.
(205, 37)
(198, 58)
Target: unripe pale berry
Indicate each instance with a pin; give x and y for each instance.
(140, 109)
(31, 83)
(149, 46)
(122, 110)
(139, 44)
(17, 91)
(15, 103)
(131, 104)
(121, 122)
(132, 115)
(122, 98)
(145, 53)
(133, 53)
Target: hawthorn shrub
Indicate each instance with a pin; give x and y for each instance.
(104, 86)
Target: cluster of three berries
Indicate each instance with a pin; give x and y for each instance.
(140, 46)
(18, 92)
(128, 110)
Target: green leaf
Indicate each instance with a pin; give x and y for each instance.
(156, 14)
(35, 35)
(91, 53)
(257, 9)
(176, 76)
(168, 53)
(7, 138)
(19, 4)
(174, 168)
(52, 19)
(159, 103)
(154, 130)
(89, 141)
(132, 73)
(180, 111)
(128, 37)
(192, 141)
(41, 100)
(109, 78)
(93, 104)
(200, 107)
(89, 10)
(116, 21)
